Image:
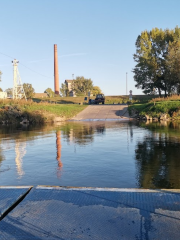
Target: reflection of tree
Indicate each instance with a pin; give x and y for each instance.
(171, 128)
(1, 158)
(100, 128)
(80, 133)
(25, 132)
(158, 162)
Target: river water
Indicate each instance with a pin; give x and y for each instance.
(92, 154)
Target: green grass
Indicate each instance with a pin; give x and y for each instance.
(61, 110)
(77, 100)
(16, 110)
(116, 99)
(171, 108)
(109, 99)
(62, 100)
(140, 106)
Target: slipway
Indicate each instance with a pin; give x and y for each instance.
(94, 213)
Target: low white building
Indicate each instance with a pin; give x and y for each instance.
(3, 95)
(68, 84)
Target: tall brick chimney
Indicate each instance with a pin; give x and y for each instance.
(56, 74)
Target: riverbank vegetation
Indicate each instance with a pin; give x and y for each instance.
(119, 99)
(14, 111)
(81, 99)
(157, 60)
(157, 108)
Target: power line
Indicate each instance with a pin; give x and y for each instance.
(25, 66)
(6, 55)
(35, 71)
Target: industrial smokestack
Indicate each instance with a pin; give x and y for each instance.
(56, 74)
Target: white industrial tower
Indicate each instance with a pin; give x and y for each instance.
(18, 90)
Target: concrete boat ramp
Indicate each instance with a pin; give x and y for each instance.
(104, 113)
(88, 213)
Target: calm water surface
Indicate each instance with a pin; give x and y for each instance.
(92, 154)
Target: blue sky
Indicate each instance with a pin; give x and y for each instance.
(95, 39)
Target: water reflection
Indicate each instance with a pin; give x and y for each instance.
(58, 157)
(1, 160)
(20, 150)
(100, 128)
(157, 157)
(82, 134)
(104, 154)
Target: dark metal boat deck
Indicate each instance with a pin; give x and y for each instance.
(89, 213)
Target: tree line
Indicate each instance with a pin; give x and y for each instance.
(157, 58)
(81, 86)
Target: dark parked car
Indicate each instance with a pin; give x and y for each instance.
(99, 99)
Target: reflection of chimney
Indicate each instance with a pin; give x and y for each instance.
(58, 146)
(56, 74)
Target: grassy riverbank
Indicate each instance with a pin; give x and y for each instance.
(17, 110)
(80, 100)
(168, 108)
(119, 99)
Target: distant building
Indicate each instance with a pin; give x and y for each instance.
(3, 95)
(69, 86)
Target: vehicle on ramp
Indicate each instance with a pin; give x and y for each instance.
(100, 98)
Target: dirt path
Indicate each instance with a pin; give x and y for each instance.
(103, 112)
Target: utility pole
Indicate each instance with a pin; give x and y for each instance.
(18, 90)
(126, 84)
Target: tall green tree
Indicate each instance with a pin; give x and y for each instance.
(96, 90)
(29, 90)
(173, 67)
(152, 49)
(49, 92)
(64, 90)
(81, 86)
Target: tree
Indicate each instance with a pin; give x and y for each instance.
(9, 92)
(173, 67)
(152, 49)
(149, 161)
(64, 90)
(29, 90)
(0, 80)
(96, 90)
(49, 92)
(81, 86)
